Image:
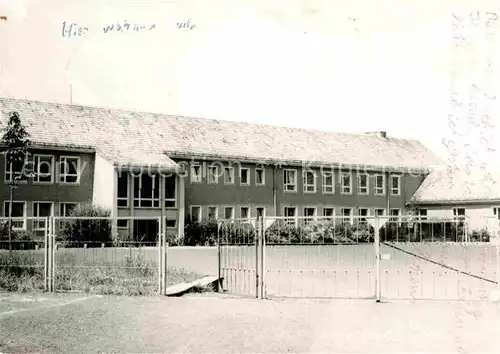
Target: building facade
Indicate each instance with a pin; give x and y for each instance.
(473, 194)
(144, 165)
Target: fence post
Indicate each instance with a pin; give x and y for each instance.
(262, 259)
(257, 242)
(164, 253)
(46, 257)
(52, 254)
(219, 261)
(378, 283)
(160, 257)
(497, 248)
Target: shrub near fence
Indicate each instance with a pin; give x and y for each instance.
(322, 231)
(20, 239)
(328, 231)
(87, 226)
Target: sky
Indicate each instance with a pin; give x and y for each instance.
(344, 66)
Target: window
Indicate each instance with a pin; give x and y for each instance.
(171, 223)
(395, 185)
(18, 211)
(422, 213)
(147, 191)
(379, 185)
(170, 191)
(379, 212)
(195, 213)
(43, 167)
(228, 175)
(459, 213)
(65, 209)
(228, 212)
(244, 176)
(328, 183)
(122, 223)
(496, 212)
(69, 170)
(329, 213)
(290, 215)
(309, 182)
(41, 210)
(245, 212)
(310, 215)
(363, 183)
(195, 174)
(123, 189)
(213, 212)
(394, 213)
(13, 172)
(213, 174)
(261, 212)
(290, 180)
(363, 213)
(346, 186)
(346, 214)
(260, 176)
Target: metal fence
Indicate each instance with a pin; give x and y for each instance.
(22, 256)
(345, 257)
(238, 256)
(333, 257)
(89, 254)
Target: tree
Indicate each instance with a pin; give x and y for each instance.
(15, 148)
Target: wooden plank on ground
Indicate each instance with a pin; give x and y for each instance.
(182, 288)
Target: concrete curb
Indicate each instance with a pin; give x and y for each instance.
(182, 288)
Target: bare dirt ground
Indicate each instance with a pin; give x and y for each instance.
(215, 323)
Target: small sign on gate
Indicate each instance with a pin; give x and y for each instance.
(385, 256)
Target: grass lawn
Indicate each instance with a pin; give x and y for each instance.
(68, 323)
(115, 271)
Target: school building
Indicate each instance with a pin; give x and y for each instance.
(140, 164)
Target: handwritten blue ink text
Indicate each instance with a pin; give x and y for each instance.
(128, 27)
(186, 24)
(73, 30)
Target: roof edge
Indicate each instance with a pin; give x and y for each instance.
(290, 162)
(59, 147)
(454, 201)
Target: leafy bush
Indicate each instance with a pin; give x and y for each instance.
(278, 233)
(481, 235)
(88, 230)
(21, 240)
(202, 233)
(320, 232)
(425, 231)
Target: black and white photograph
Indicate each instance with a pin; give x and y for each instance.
(249, 176)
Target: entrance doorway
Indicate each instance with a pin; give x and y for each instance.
(146, 232)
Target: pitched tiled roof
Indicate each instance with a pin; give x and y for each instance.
(107, 131)
(136, 137)
(458, 186)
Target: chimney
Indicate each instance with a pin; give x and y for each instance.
(380, 134)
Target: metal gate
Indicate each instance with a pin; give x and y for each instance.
(240, 256)
(437, 259)
(329, 257)
(357, 257)
(299, 257)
